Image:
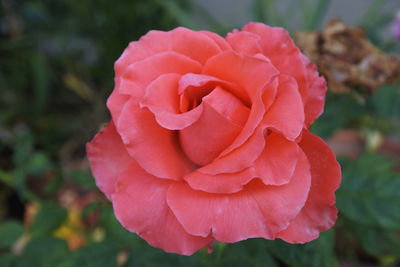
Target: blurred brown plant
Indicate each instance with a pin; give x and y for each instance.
(348, 60)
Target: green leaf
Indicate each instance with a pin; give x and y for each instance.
(10, 231)
(314, 20)
(375, 240)
(38, 163)
(7, 178)
(370, 192)
(41, 80)
(7, 259)
(23, 148)
(147, 256)
(252, 252)
(49, 217)
(341, 111)
(44, 252)
(114, 230)
(385, 102)
(82, 178)
(19, 183)
(319, 252)
(102, 254)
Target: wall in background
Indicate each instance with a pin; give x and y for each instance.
(238, 12)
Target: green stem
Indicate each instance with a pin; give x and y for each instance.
(314, 19)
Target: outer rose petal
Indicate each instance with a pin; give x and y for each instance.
(179, 40)
(162, 99)
(244, 42)
(280, 48)
(154, 148)
(140, 74)
(221, 42)
(277, 163)
(115, 103)
(317, 88)
(319, 213)
(286, 114)
(140, 205)
(221, 121)
(108, 158)
(256, 211)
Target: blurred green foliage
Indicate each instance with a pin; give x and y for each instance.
(56, 70)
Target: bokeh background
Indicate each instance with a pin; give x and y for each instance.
(56, 72)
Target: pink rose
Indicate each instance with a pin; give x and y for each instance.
(209, 140)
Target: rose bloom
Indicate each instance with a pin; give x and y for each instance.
(209, 140)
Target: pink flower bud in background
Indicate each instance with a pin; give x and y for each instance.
(396, 26)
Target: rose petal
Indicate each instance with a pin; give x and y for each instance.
(108, 158)
(240, 158)
(140, 205)
(155, 149)
(225, 183)
(287, 58)
(319, 212)
(163, 93)
(244, 42)
(195, 86)
(180, 40)
(286, 114)
(228, 106)
(115, 103)
(193, 44)
(314, 105)
(249, 73)
(139, 75)
(269, 95)
(221, 42)
(254, 76)
(222, 119)
(162, 100)
(246, 154)
(256, 211)
(277, 162)
(281, 50)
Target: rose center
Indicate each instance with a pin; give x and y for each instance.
(223, 117)
(193, 96)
